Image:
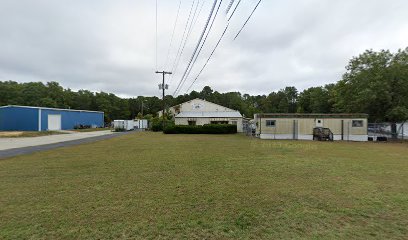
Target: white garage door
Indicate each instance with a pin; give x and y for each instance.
(54, 122)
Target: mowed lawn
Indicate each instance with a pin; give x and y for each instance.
(150, 185)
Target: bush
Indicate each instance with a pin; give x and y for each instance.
(206, 129)
(80, 126)
(157, 125)
(119, 130)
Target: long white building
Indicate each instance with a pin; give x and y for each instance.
(201, 112)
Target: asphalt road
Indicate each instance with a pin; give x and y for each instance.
(26, 150)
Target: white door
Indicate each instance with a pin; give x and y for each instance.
(319, 122)
(54, 122)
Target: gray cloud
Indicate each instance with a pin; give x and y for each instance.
(110, 45)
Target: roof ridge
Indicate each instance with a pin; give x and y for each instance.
(60, 109)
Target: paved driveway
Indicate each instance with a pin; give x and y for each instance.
(10, 143)
(15, 147)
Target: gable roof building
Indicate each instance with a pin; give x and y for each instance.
(200, 112)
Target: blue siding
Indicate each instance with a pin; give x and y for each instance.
(69, 119)
(18, 119)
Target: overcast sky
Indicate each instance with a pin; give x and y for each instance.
(110, 45)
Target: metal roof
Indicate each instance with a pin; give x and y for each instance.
(209, 115)
(203, 101)
(311, 115)
(57, 109)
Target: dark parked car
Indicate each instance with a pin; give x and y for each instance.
(322, 134)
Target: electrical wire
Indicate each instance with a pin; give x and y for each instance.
(197, 45)
(187, 30)
(198, 14)
(192, 25)
(172, 35)
(248, 19)
(156, 35)
(215, 48)
(229, 6)
(202, 45)
(232, 14)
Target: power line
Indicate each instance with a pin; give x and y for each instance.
(229, 6)
(215, 48)
(187, 29)
(232, 14)
(197, 45)
(172, 35)
(156, 34)
(202, 45)
(248, 19)
(198, 14)
(190, 29)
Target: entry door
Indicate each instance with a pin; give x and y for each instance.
(319, 122)
(54, 122)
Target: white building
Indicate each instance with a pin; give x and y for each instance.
(200, 112)
(298, 126)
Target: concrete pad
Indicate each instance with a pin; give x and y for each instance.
(11, 143)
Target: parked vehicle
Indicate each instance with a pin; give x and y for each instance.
(322, 134)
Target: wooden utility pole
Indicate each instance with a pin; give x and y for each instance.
(142, 106)
(163, 87)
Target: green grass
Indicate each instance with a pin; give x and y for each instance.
(150, 185)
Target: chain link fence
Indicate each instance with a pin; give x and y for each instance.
(249, 127)
(387, 131)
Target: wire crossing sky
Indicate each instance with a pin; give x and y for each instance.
(110, 46)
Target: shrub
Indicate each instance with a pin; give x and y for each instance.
(157, 125)
(80, 126)
(119, 130)
(206, 129)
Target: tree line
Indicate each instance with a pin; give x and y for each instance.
(375, 83)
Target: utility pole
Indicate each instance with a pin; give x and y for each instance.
(163, 87)
(142, 106)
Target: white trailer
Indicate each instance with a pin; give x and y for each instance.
(129, 125)
(126, 125)
(119, 124)
(141, 123)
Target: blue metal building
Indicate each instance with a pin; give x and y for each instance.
(23, 118)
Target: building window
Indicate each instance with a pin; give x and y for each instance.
(271, 123)
(357, 123)
(219, 122)
(192, 123)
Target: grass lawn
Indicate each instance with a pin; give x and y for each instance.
(150, 185)
(15, 134)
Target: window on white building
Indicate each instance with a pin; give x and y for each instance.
(357, 123)
(271, 123)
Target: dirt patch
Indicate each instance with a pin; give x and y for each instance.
(18, 134)
(10, 134)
